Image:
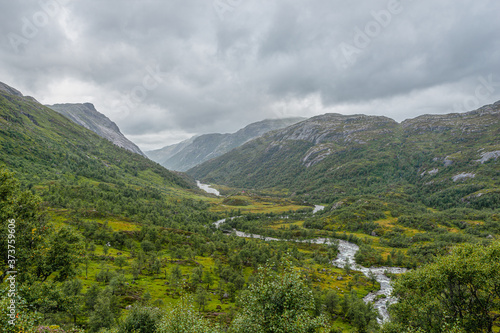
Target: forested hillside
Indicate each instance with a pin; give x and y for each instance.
(442, 160)
(108, 241)
(73, 168)
(106, 238)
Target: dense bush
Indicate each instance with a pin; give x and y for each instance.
(462, 288)
(183, 318)
(141, 319)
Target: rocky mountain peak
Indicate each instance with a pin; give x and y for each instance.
(87, 116)
(11, 91)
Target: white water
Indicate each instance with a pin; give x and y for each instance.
(347, 251)
(207, 188)
(318, 208)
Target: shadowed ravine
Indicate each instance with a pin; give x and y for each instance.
(347, 251)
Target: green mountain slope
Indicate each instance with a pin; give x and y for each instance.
(73, 168)
(116, 230)
(443, 160)
(38, 141)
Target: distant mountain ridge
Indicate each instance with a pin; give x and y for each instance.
(87, 116)
(329, 157)
(196, 150)
(163, 155)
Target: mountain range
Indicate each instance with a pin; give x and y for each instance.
(42, 145)
(196, 150)
(442, 160)
(113, 221)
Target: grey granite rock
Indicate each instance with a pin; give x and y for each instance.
(87, 116)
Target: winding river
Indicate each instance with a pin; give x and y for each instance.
(347, 251)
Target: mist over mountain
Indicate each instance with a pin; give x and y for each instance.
(87, 116)
(198, 149)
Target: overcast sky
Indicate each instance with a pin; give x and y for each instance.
(165, 70)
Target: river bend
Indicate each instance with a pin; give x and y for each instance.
(347, 252)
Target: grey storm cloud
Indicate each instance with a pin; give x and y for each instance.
(164, 70)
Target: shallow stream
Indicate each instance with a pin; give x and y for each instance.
(347, 251)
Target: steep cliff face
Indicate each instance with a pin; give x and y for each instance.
(87, 116)
(192, 152)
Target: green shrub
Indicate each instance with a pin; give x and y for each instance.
(141, 319)
(183, 318)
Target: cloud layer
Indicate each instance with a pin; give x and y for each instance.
(166, 70)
